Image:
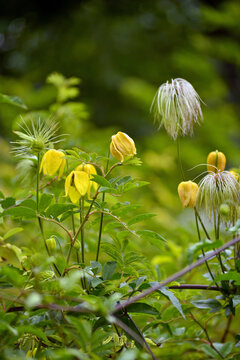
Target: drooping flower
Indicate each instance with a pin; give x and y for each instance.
(122, 146)
(187, 191)
(52, 161)
(90, 170)
(77, 185)
(216, 161)
(176, 106)
(216, 189)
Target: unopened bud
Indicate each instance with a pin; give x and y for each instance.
(224, 209)
(187, 191)
(77, 245)
(122, 146)
(216, 161)
(51, 245)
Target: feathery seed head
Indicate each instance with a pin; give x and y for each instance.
(216, 189)
(176, 106)
(39, 136)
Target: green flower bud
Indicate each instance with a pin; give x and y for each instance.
(51, 245)
(77, 245)
(224, 209)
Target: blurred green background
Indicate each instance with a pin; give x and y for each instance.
(123, 51)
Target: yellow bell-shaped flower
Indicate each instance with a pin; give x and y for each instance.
(122, 146)
(90, 170)
(77, 185)
(187, 191)
(52, 161)
(216, 161)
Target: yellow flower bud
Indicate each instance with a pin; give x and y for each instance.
(122, 146)
(51, 245)
(52, 161)
(90, 170)
(234, 174)
(187, 191)
(216, 161)
(76, 185)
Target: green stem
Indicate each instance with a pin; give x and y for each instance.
(179, 159)
(82, 228)
(101, 217)
(37, 185)
(203, 252)
(202, 224)
(217, 228)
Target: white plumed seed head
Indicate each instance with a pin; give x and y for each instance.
(216, 189)
(176, 106)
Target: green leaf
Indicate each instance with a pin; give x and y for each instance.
(142, 308)
(108, 270)
(29, 203)
(101, 181)
(231, 275)
(6, 203)
(12, 232)
(19, 211)
(12, 100)
(209, 351)
(140, 217)
(153, 237)
(212, 304)
(236, 300)
(173, 299)
(45, 201)
(57, 209)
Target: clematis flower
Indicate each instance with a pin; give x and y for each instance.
(90, 170)
(216, 161)
(176, 106)
(52, 161)
(187, 191)
(122, 146)
(77, 185)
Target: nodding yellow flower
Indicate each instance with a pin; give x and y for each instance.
(216, 161)
(90, 170)
(77, 185)
(122, 146)
(187, 191)
(52, 161)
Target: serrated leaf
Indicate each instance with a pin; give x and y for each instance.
(12, 100)
(20, 211)
(12, 232)
(101, 181)
(45, 201)
(151, 236)
(174, 300)
(108, 270)
(140, 217)
(6, 203)
(212, 304)
(57, 209)
(142, 308)
(231, 275)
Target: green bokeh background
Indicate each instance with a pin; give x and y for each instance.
(122, 51)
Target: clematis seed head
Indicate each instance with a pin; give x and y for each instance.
(176, 106)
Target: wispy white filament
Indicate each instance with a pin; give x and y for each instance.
(216, 189)
(176, 106)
